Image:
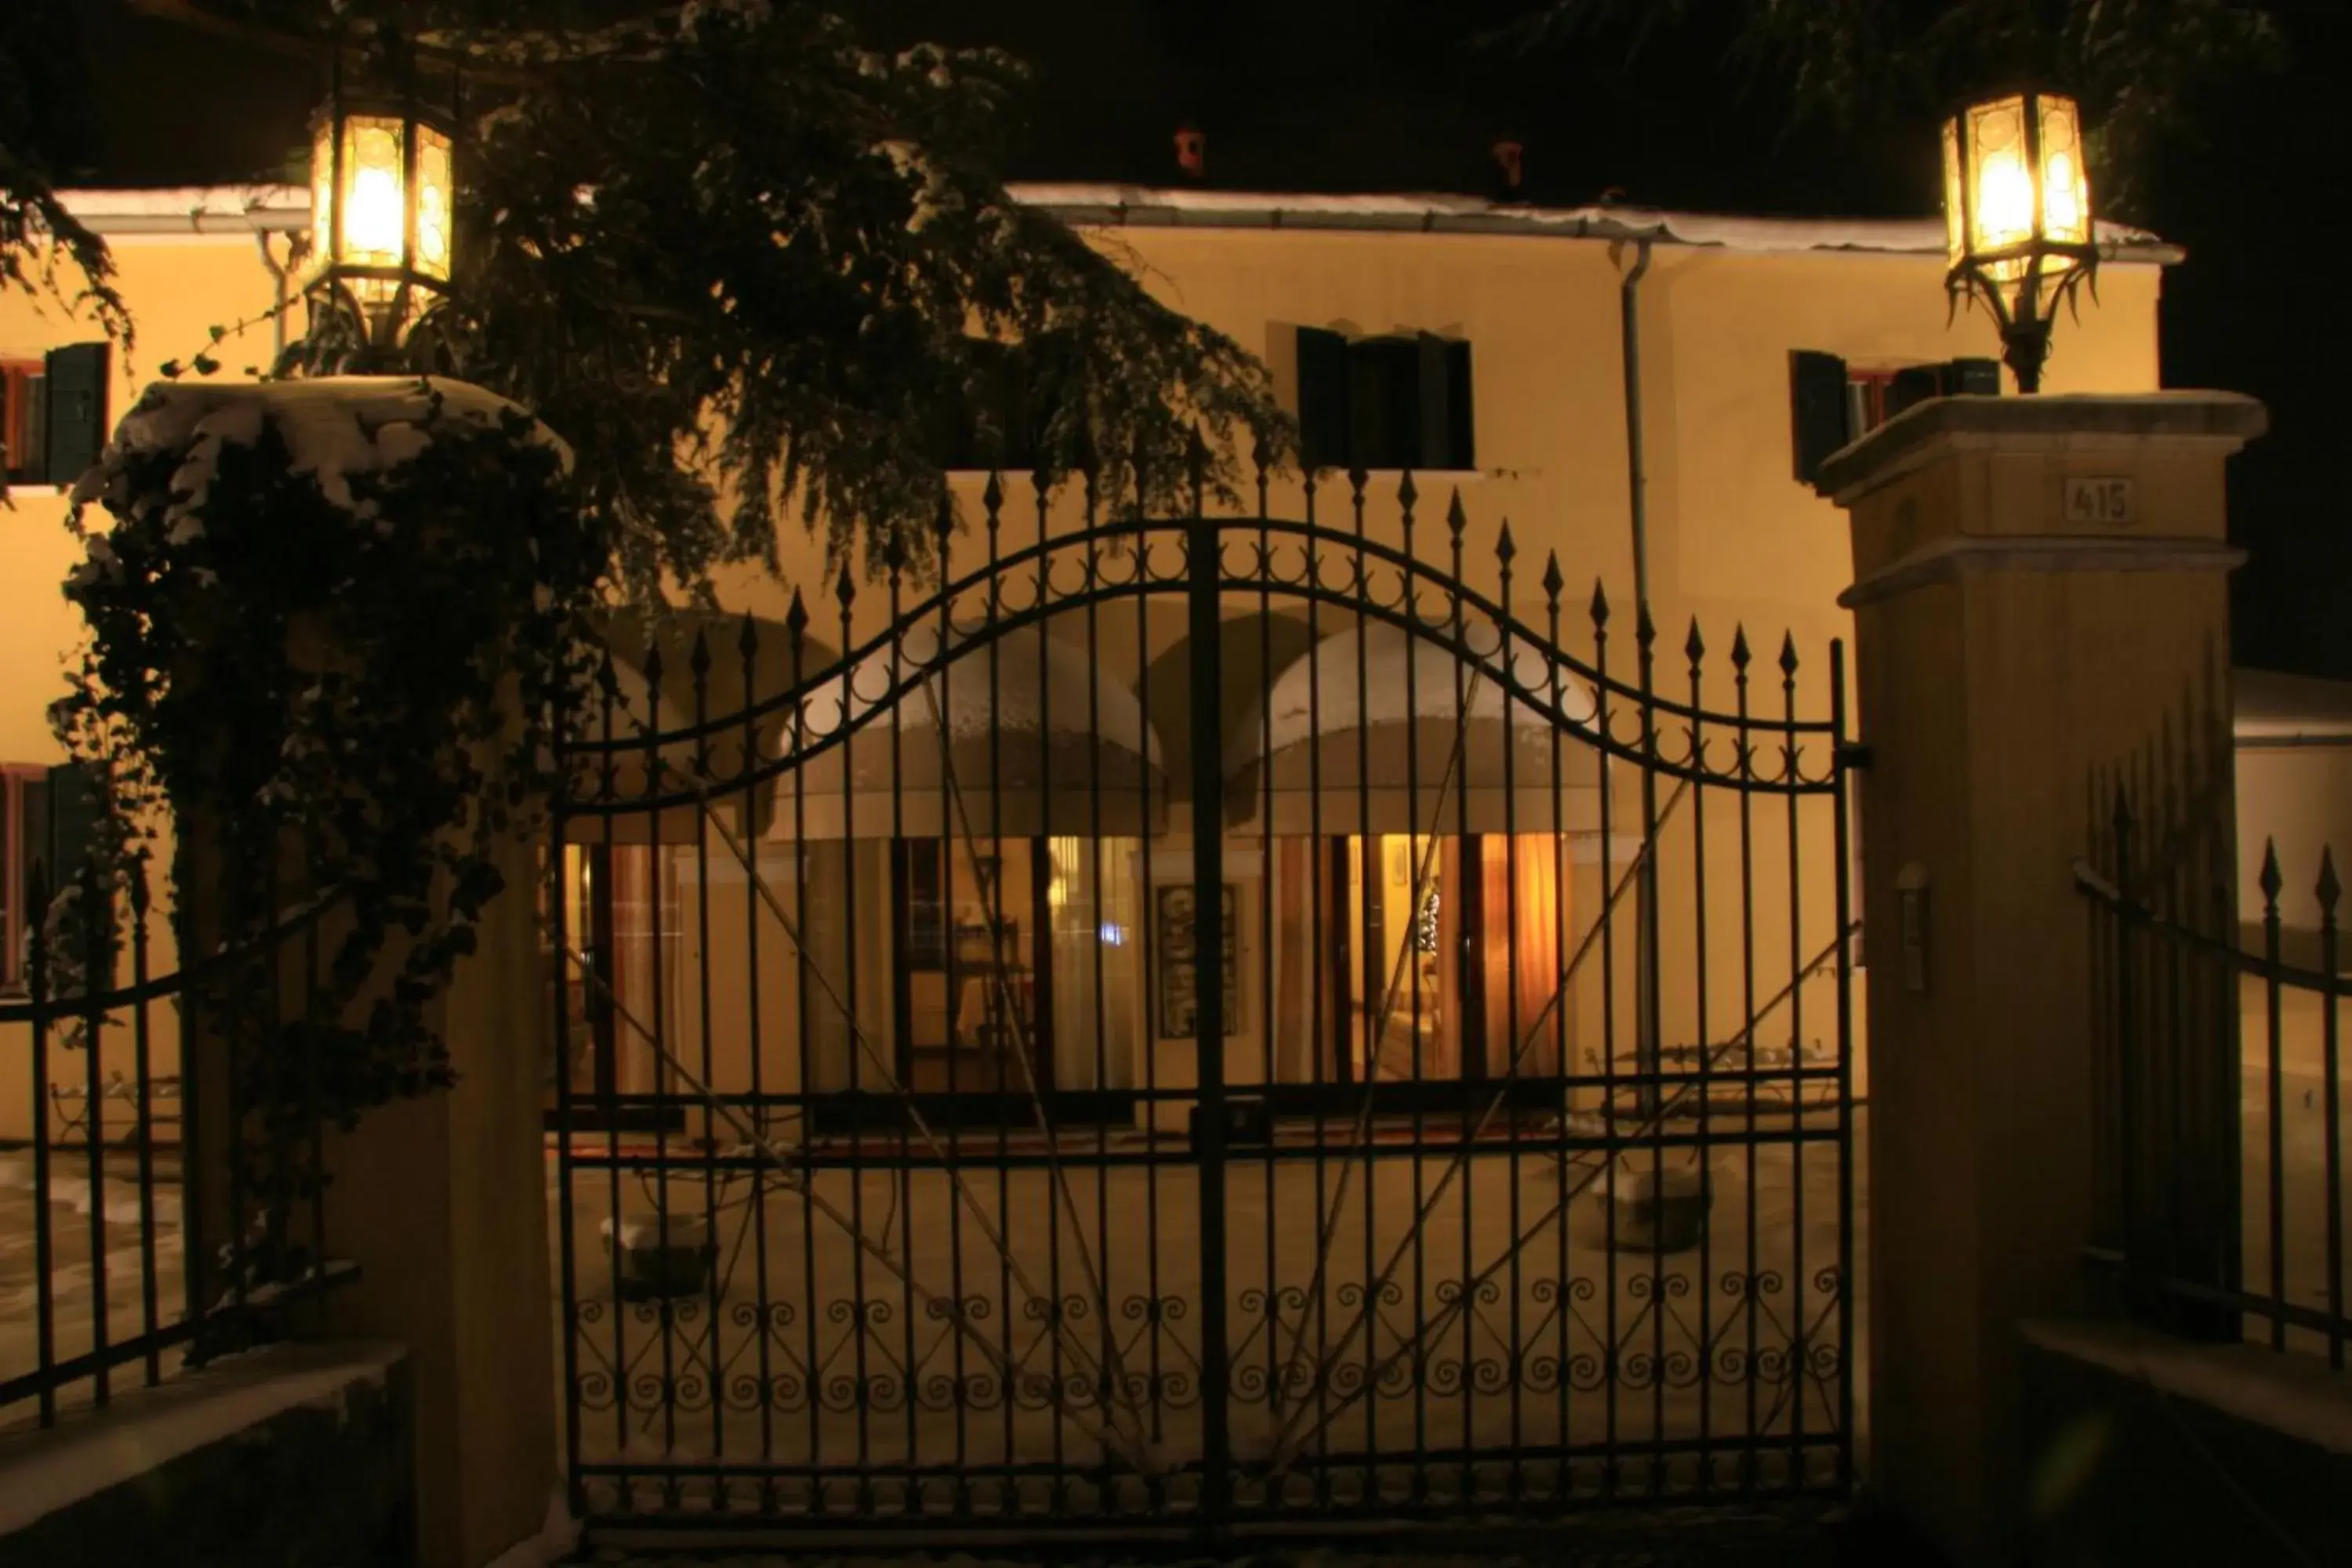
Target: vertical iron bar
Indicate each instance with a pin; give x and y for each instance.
(942, 677)
(1419, 894)
(44, 1321)
(567, 1250)
(1703, 1154)
(1207, 687)
(1650, 1033)
(1515, 1359)
(1267, 942)
(699, 670)
(1564, 884)
(1374, 981)
(652, 670)
(144, 1066)
(1106, 1356)
(899, 895)
(1155, 1488)
(2332, 1128)
(2275, 1215)
(604, 937)
(796, 619)
(94, 982)
(858, 1324)
(746, 646)
(1041, 1031)
(1329, 1015)
(1842, 829)
(1469, 967)
(1001, 1027)
(1801, 1311)
(2127, 1051)
(1611, 1144)
(1744, 741)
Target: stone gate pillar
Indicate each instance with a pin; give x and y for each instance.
(2040, 583)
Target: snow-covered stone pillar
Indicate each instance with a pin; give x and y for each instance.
(2038, 585)
(441, 1199)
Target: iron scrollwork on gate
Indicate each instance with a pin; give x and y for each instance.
(896, 1182)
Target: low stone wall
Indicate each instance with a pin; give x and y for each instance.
(290, 1456)
(2145, 1449)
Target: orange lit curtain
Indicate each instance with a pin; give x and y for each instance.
(637, 1070)
(1520, 884)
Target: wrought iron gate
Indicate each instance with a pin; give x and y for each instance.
(914, 1171)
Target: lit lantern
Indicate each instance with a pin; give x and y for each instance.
(382, 229)
(2017, 214)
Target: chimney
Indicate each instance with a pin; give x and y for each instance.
(1509, 154)
(1192, 150)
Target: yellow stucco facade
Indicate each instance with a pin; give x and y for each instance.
(1733, 540)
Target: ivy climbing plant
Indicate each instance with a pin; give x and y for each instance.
(329, 622)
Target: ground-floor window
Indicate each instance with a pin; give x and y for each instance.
(1017, 954)
(621, 920)
(1411, 958)
(980, 968)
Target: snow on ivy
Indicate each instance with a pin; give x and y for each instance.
(333, 427)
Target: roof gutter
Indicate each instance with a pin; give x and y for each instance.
(239, 210)
(235, 209)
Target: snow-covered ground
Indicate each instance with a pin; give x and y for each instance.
(76, 1277)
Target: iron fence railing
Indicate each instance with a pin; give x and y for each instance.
(107, 1276)
(2221, 1127)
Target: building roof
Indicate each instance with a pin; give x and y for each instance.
(243, 208)
(2268, 706)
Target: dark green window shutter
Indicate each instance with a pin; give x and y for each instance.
(1384, 404)
(1323, 424)
(1434, 449)
(1817, 409)
(1913, 388)
(1972, 377)
(77, 410)
(1462, 440)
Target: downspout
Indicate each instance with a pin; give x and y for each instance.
(1646, 1042)
(1630, 336)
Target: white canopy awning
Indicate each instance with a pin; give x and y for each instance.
(1357, 735)
(1038, 739)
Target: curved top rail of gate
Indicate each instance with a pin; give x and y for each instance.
(1293, 562)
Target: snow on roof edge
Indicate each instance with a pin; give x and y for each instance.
(1444, 212)
(195, 208)
(199, 208)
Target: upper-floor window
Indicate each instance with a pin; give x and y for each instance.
(1399, 401)
(1831, 403)
(1002, 420)
(48, 818)
(52, 413)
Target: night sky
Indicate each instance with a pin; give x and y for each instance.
(1320, 95)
